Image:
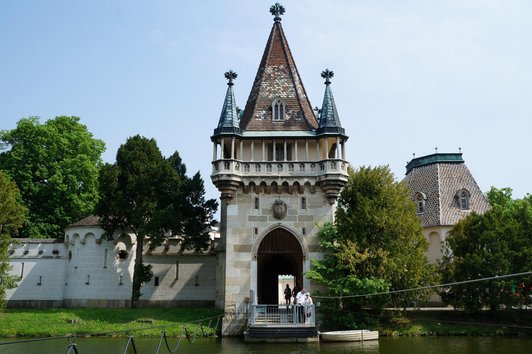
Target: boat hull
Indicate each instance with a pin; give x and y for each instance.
(349, 336)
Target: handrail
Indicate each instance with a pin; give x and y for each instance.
(283, 315)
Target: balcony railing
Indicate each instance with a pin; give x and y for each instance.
(279, 168)
(282, 315)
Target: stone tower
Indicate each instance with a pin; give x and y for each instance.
(445, 192)
(279, 166)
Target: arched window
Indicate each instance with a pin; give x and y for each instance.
(420, 202)
(463, 199)
(278, 109)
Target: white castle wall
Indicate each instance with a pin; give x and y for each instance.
(41, 268)
(95, 275)
(87, 271)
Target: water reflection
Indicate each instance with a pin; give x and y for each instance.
(413, 345)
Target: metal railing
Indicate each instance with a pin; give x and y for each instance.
(283, 315)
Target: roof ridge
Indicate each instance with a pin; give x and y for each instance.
(438, 179)
(288, 53)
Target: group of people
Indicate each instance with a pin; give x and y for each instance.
(301, 298)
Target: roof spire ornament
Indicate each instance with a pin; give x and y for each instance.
(230, 75)
(277, 10)
(327, 75)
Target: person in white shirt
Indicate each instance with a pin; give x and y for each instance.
(300, 299)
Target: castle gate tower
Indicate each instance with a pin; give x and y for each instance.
(279, 166)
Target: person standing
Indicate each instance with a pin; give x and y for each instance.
(307, 302)
(295, 291)
(300, 299)
(287, 294)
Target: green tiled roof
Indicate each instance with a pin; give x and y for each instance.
(434, 158)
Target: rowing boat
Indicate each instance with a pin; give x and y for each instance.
(355, 335)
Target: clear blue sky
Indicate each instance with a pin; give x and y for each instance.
(409, 75)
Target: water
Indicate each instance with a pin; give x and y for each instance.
(386, 345)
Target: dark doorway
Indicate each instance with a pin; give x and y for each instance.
(279, 254)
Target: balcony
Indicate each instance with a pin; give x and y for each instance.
(278, 168)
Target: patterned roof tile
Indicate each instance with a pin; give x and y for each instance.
(441, 183)
(277, 77)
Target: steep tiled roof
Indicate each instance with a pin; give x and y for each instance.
(277, 77)
(329, 120)
(91, 220)
(440, 180)
(229, 120)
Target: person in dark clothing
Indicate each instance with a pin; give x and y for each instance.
(287, 294)
(296, 289)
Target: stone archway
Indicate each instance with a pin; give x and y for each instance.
(279, 253)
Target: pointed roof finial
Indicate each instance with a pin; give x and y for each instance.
(277, 10)
(327, 75)
(436, 148)
(230, 75)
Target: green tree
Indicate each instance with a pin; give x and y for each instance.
(498, 242)
(375, 244)
(152, 197)
(56, 167)
(12, 215)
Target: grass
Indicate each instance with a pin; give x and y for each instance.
(457, 323)
(145, 322)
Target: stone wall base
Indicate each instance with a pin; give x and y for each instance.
(95, 303)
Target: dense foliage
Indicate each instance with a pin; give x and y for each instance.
(55, 165)
(12, 215)
(375, 245)
(499, 242)
(152, 197)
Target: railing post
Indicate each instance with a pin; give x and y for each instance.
(251, 308)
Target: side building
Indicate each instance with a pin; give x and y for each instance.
(444, 191)
(88, 269)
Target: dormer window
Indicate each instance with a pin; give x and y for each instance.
(278, 109)
(463, 199)
(420, 202)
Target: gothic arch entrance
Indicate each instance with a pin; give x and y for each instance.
(279, 254)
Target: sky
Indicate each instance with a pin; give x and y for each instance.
(410, 76)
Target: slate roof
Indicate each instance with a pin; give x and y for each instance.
(229, 121)
(440, 177)
(91, 220)
(329, 120)
(277, 77)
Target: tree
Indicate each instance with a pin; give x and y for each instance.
(12, 215)
(56, 167)
(152, 197)
(498, 242)
(376, 243)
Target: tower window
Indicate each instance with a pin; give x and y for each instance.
(256, 203)
(463, 199)
(303, 203)
(278, 110)
(420, 203)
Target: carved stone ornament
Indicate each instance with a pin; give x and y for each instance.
(279, 209)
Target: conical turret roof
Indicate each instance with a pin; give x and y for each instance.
(278, 78)
(229, 121)
(329, 120)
